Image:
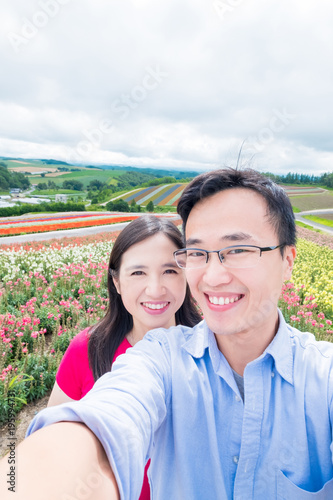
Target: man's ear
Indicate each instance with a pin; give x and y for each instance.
(289, 257)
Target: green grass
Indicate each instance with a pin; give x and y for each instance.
(306, 226)
(319, 220)
(84, 176)
(53, 192)
(164, 208)
(296, 210)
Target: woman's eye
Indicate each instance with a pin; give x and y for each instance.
(171, 271)
(137, 273)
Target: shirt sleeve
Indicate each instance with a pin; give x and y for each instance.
(74, 376)
(124, 410)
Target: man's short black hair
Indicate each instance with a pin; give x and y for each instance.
(280, 211)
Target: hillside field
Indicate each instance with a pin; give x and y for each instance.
(313, 201)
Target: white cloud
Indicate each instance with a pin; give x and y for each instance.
(69, 66)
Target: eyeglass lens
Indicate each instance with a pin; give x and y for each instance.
(235, 257)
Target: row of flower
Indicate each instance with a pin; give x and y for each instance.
(73, 222)
(51, 291)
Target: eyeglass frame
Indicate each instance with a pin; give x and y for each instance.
(207, 252)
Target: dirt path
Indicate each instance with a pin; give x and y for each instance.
(23, 420)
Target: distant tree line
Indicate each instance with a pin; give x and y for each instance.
(295, 178)
(122, 206)
(67, 169)
(70, 184)
(129, 180)
(25, 208)
(9, 180)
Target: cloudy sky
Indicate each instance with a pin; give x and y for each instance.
(183, 84)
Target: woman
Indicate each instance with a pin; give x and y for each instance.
(146, 290)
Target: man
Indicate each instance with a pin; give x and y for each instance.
(239, 407)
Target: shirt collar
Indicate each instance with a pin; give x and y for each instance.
(198, 340)
(280, 348)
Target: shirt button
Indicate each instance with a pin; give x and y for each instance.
(273, 374)
(235, 459)
(237, 398)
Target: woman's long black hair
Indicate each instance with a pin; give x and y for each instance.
(110, 331)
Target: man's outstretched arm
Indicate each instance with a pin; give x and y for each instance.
(63, 461)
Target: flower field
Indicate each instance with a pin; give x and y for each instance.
(50, 291)
(12, 226)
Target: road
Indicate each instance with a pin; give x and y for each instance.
(71, 233)
(325, 229)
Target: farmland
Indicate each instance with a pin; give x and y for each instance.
(143, 186)
(313, 201)
(166, 194)
(45, 223)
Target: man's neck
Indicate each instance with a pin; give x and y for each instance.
(240, 349)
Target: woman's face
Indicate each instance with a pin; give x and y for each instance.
(151, 285)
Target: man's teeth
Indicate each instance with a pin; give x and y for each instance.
(221, 301)
(154, 306)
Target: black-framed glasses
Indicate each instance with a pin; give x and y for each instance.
(236, 256)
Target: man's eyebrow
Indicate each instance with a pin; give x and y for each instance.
(226, 237)
(237, 237)
(193, 241)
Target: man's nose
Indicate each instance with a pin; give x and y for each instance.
(215, 272)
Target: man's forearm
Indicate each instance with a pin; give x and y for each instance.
(61, 461)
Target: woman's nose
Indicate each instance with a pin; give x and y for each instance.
(155, 287)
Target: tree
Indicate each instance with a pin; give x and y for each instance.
(10, 179)
(96, 185)
(134, 207)
(118, 206)
(75, 185)
(150, 207)
(51, 185)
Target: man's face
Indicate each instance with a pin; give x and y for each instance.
(237, 217)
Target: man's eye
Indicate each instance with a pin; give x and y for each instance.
(237, 250)
(241, 251)
(195, 253)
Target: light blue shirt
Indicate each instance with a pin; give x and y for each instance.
(173, 397)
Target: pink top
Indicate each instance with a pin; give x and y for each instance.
(75, 378)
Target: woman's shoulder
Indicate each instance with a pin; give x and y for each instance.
(80, 341)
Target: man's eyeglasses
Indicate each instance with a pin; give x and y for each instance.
(235, 257)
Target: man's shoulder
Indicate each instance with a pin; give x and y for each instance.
(306, 344)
